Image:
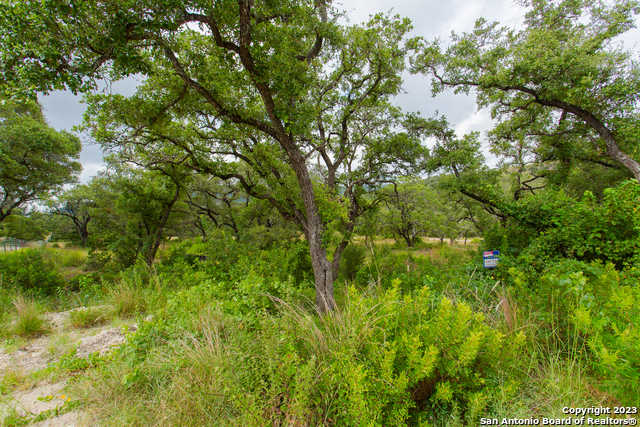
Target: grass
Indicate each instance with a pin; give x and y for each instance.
(12, 342)
(29, 321)
(128, 298)
(59, 344)
(67, 257)
(9, 380)
(89, 317)
(552, 383)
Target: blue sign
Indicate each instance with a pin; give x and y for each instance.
(490, 259)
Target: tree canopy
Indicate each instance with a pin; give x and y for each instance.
(35, 159)
(270, 85)
(560, 86)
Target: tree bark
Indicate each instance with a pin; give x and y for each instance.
(84, 234)
(409, 241)
(156, 237)
(613, 150)
(324, 278)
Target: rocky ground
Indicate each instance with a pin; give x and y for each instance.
(44, 400)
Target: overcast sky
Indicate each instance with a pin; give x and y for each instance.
(431, 19)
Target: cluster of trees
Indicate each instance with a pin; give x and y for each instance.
(249, 108)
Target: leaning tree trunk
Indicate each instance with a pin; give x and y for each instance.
(324, 271)
(156, 236)
(612, 148)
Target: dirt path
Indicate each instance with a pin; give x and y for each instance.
(44, 399)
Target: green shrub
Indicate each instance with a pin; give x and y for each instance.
(553, 225)
(297, 264)
(28, 270)
(590, 311)
(352, 259)
(6, 303)
(97, 260)
(381, 360)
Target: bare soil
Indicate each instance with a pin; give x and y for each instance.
(37, 354)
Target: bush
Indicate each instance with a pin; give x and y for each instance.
(28, 270)
(97, 260)
(29, 321)
(590, 311)
(6, 303)
(353, 258)
(381, 360)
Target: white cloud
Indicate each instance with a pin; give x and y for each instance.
(89, 170)
(478, 121)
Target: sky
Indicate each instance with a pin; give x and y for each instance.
(431, 19)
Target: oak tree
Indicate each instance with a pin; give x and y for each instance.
(560, 81)
(274, 85)
(35, 159)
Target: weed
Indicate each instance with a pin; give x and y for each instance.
(9, 380)
(59, 344)
(29, 321)
(128, 296)
(88, 317)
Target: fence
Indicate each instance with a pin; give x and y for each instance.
(11, 244)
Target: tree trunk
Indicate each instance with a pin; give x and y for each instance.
(200, 226)
(409, 241)
(617, 154)
(324, 277)
(150, 256)
(84, 232)
(157, 235)
(613, 150)
(81, 227)
(323, 270)
(84, 237)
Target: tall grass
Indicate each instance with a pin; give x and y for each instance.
(29, 320)
(88, 317)
(136, 292)
(67, 257)
(127, 298)
(380, 357)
